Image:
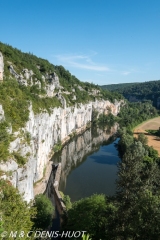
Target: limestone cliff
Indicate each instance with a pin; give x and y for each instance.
(45, 131)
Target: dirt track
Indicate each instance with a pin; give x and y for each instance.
(152, 124)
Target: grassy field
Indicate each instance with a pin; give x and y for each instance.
(152, 124)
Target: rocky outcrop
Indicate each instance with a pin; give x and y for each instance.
(1, 113)
(19, 77)
(45, 132)
(13, 72)
(27, 73)
(61, 99)
(1, 67)
(52, 82)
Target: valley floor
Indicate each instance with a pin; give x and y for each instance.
(152, 124)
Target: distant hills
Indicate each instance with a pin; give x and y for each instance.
(135, 92)
(117, 87)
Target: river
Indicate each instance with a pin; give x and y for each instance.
(89, 165)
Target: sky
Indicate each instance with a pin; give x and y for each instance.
(98, 41)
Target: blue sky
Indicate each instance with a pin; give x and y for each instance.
(99, 41)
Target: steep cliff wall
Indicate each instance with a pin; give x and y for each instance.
(45, 131)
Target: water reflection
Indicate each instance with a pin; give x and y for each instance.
(50, 194)
(89, 164)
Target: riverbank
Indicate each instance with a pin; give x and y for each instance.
(41, 185)
(151, 124)
(58, 198)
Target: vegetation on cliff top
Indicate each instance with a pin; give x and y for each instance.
(83, 91)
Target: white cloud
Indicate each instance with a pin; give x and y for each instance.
(89, 62)
(101, 75)
(81, 61)
(125, 73)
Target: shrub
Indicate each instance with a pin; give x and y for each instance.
(20, 159)
(57, 147)
(44, 212)
(4, 141)
(67, 202)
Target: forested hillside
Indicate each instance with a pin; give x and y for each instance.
(117, 87)
(138, 91)
(18, 64)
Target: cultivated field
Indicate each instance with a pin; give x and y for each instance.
(152, 124)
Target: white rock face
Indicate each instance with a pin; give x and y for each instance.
(13, 72)
(1, 113)
(52, 83)
(27, 73)
(1, 66)
(46, 130)
(19, 78)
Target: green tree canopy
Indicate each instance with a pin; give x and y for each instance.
(44, 212)
(15, 213)
(89, 214)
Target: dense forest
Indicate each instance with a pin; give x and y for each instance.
(138, 91)
(118, 86)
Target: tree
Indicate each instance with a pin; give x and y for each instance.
(91, 214)
(44, 214)
(125, 142)
(15, 213)
(142, 138)
(138, 195)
